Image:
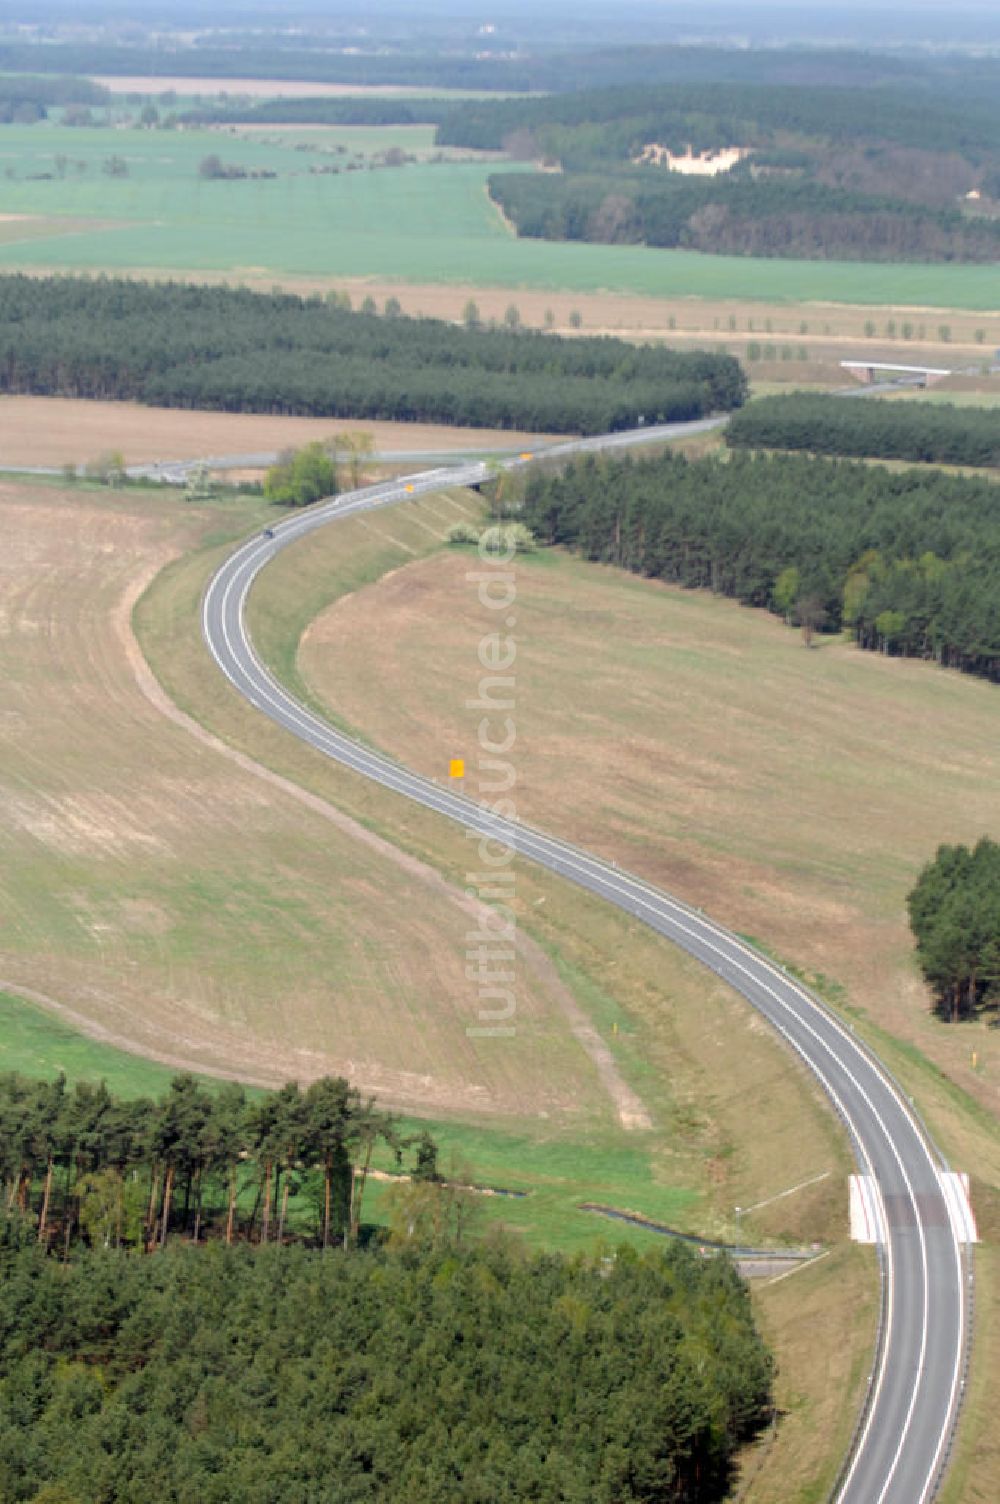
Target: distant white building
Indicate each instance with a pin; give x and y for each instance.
(704, 164)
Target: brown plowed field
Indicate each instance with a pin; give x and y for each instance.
(65, 430)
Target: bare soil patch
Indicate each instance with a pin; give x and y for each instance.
(258, 88)
(65, 430)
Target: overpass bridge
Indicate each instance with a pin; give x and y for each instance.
(868, 372)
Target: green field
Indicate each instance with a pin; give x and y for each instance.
(427, 222)
(556, 1174)
(35, 1043)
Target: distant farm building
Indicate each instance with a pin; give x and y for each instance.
(705, 164)
(868, 371)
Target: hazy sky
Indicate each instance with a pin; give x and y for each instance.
(869, 22)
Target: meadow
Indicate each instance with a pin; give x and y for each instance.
(426, 222)
(37, 1043)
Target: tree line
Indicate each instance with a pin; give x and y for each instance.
(360, 110)
(27, 99)
(607, 125)
(906, 563)
(177, 345)
(738, 214)
(955, 918)
(544, 69)
(81, 1165)
(419, 1374)
(938, 433)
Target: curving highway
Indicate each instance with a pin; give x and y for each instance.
(902, 1441)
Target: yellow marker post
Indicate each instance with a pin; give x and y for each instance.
(527, 455)
(407, 488)
(456, 767)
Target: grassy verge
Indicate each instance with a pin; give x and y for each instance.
(823, 1345)
(975, 1465)
(34, 1043)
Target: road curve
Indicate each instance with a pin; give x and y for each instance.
(903, 1437)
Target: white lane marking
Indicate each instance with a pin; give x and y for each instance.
(955, 1189)
(864, 1219)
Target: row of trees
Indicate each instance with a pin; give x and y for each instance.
(119, 1173)
(907, 563)
(926, 431)
(969, 82)
(736, 214)
(26, 99)
(955, 917)
(226, 348)
(360, 110)
(419, 1376)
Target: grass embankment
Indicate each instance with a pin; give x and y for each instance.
(163, 215)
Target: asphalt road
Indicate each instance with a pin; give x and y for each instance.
(902, 1442)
